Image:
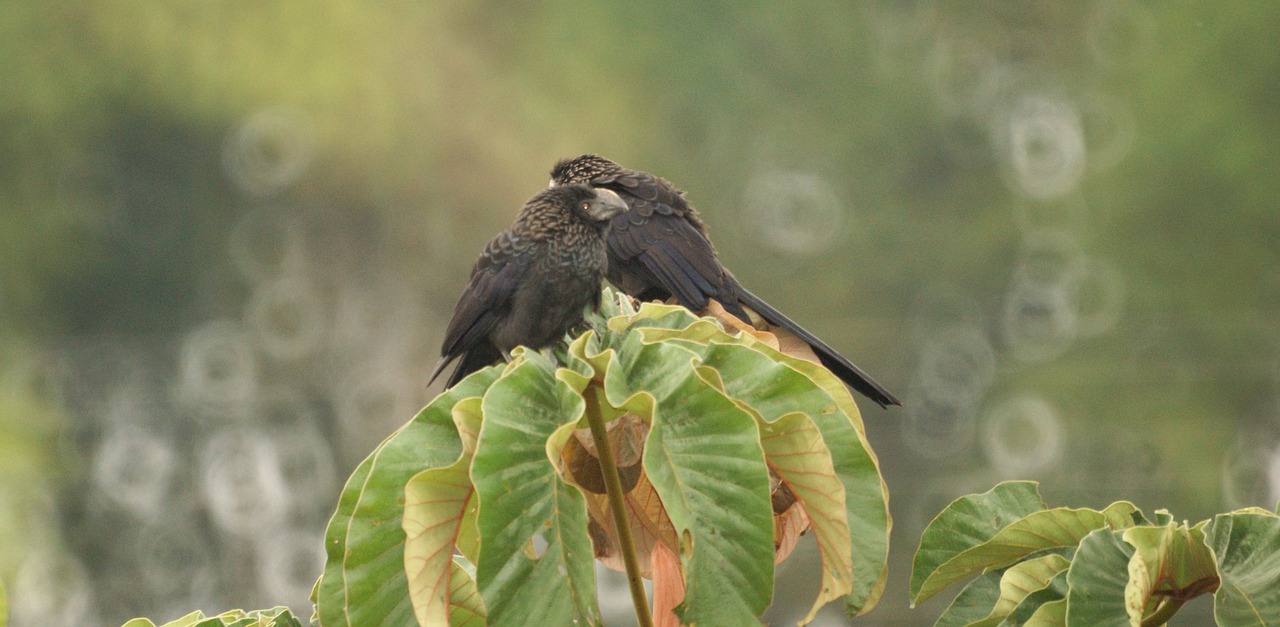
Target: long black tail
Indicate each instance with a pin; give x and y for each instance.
(475, 358)
(835, 362)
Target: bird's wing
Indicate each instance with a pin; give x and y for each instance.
(661, 232)
(493, 281)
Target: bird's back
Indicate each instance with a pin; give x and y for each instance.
(660, 248)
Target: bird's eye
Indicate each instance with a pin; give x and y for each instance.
(586, 206)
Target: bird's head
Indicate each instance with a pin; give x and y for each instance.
(560, 207)
(597, 204)
(582, 169)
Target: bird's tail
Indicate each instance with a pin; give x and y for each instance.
(440, 365)
(474, 359)
(835, 362)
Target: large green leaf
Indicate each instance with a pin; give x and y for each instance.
(773, 383)
(1170, 564)
(522, 498)
(466, 609)
(704, 458)
(1020, 581)
(364, 582)
(436, 502)
(1029, 605)
(769, 384)
(974, 602)
(1097, 578)
(992, 598)
(652, 315)
(794, 449)
(866, 495)
(1050, 614)
(1247, 546)
(964, 524)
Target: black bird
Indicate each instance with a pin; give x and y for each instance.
(660, 248)
(533, 280)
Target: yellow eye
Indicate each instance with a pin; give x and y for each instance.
(586, 206)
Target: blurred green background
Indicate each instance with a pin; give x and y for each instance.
(231, 234)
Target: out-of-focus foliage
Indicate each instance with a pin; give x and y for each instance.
(1049, 226)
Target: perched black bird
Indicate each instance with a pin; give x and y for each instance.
(660, 248)
(533, 280)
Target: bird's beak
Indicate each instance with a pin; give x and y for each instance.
(607, 205)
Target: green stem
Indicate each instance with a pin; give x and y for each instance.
(613, 490)
(1163, 613)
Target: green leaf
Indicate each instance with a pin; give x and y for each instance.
(1051, 614)
(768, 387)
(974, 602)
(275, 617)
(1122, 515)
(4, 607)
(144, 622)
(654, 315)
(189, 620)
(436, 502)
(1170, 564)
(964, 524)
(1097, 579)
(1027, 607)
(1038, 531)
(771, 384)
(866, 495)
(466, 608)
(364, 582)
(717, 497)
(521, 497)
(1247, 546)
(1020, 581)
(794, 449)
(279, 616)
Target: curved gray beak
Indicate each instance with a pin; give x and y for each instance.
(607, 205)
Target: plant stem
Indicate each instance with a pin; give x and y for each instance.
(1163, 613)
(613, 490)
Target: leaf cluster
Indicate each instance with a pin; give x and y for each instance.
(274, 617)
(486, 508)
(1063, 566)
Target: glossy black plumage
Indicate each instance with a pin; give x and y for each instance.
(533, 281)
(659, 248)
